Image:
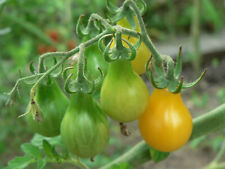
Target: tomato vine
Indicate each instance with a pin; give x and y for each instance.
(124, 95)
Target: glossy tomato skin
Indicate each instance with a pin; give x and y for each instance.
(142, 54)
(84, 128)
(166, 125)
(124, 95)
(95, 59)
(53, 103)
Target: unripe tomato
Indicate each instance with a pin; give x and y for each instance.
(124, 95)
(142, 54)
(53, 103)
(84, 128)
(166, 125)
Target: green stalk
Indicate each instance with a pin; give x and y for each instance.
(80, 65)
(144, 34)
(196, 37)
(204, 124)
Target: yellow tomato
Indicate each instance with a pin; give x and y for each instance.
(142, 54)
(166, 124)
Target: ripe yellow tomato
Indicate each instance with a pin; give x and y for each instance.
(166, 124)
(142, 54)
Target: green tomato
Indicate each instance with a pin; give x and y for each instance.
(84, 128)
(52, 103)
(94, 60)
(124, 96)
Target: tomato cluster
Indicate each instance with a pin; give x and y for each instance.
(164, 121)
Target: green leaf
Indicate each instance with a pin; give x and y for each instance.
(157, 155)
(41, 163)
(31, 150)
(47, 148)
(54, 141)
(123, 165)
(19, 162)
(50, 150)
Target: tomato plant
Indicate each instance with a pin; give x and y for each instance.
(84, 128)
(166, 125)
(164, 121)
(52, 103)
(143, 53)
(124, 95)
(95, 64)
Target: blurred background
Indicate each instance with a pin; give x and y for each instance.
(30, 28)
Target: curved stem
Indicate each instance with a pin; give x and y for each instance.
(209, 122)
(66, 56)
(22, 79)
(80, 72)
(144, 34)
(104, 22)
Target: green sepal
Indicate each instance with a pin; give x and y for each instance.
(31, 67)
(80, 29)
(131, 50)
(64, 73)
(74, 86)
(138, 44)
(188, 85)
(178, 67)
(172, 83)
(107, 52)
(179, 87)
(101, 44)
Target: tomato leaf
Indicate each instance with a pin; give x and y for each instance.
(157, 155)
(47, 148)
(31, 150)
(19, 162)
(41, 163)
(123, 165)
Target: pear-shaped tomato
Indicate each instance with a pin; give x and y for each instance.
(124, 95)
(84, 128)
(142, 54)
(53, 104)
(166, 125)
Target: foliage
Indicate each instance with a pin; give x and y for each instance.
(23, 28)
